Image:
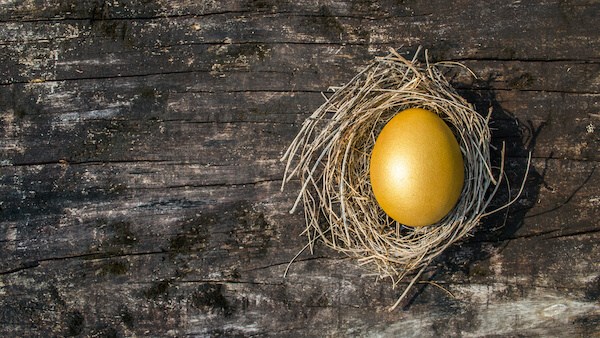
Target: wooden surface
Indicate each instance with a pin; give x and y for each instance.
(139, 172)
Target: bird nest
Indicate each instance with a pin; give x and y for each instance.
(331, 153)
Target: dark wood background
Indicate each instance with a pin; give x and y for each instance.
(139, 168)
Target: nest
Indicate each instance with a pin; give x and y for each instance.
(330, 155)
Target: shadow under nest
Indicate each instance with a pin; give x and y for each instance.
(496, 230)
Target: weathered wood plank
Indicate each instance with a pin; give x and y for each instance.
(145, 189)
(223, 58)
(139, 173)
(88, 47)
(125, 121)
(235, 301)
(555, 24)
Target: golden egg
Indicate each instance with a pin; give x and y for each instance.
(416, 168)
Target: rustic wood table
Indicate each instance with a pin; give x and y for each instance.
(140, 174)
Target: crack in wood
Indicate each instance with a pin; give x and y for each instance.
(500, 89)
(171, 162)
(94, 255)
(576, 233)
(213, 185)
(299, 260)
(226, 281)
(265, 13)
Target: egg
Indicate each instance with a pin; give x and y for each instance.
(416, 168)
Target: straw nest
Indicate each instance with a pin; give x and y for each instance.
(330, 156)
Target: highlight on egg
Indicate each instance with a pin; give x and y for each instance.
(416, 168)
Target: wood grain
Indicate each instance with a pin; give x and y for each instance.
(140, 174)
